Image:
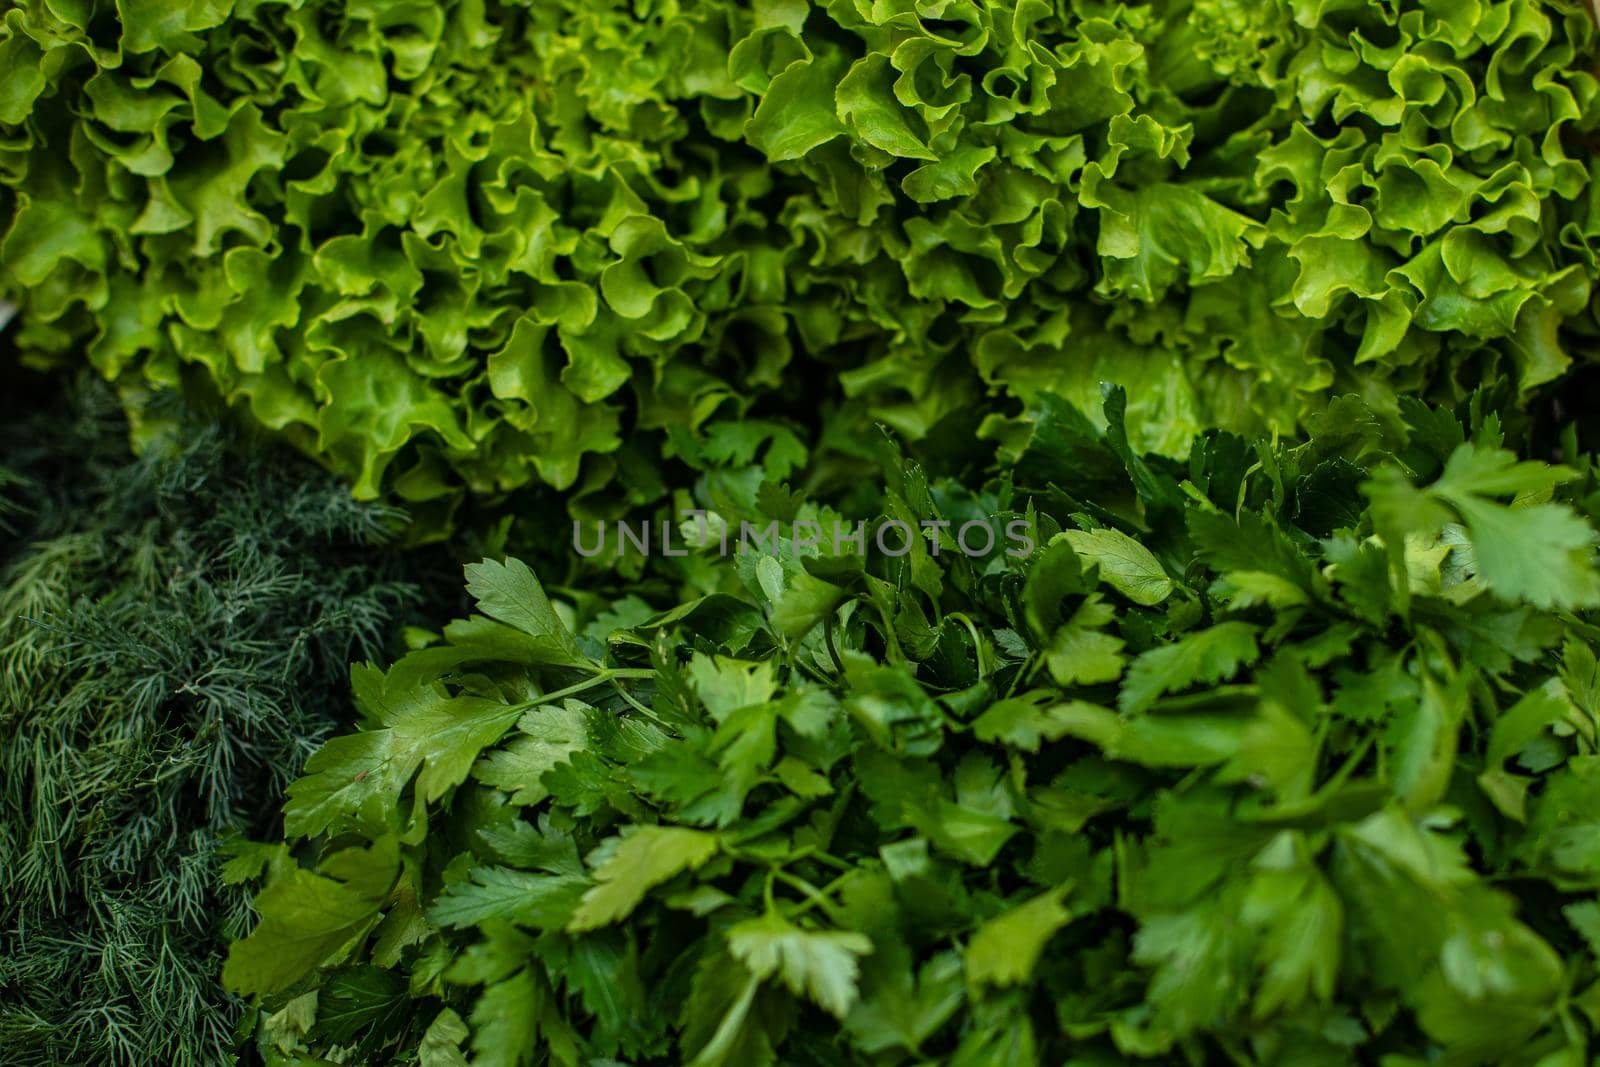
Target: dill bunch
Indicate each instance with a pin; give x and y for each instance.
(175, 634)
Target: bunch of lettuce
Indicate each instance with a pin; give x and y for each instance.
(1285, 754)
(175, 632)
(482, 245)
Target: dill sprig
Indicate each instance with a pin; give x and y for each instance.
(175, 634)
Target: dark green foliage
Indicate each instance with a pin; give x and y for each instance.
(1285, 756)
(174, 635)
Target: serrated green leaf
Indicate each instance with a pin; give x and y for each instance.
(1205, 656)
(1125, 564)
(1005, 949)
(546, 736)
(640, 859)
(308, 919)
(543, 901)
(441, 1044)
(509, 593)
(819, 964)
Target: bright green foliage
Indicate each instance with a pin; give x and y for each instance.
(174, 634)
(1327, 799)
(488, 245)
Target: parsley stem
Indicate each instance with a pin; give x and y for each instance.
(810, 671)
(830, 859)
(815, 897)
(977, 642)
(634, 703)
(827, 637)
(604, 677)
(1017, 675)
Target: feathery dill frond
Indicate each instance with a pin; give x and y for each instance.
(175, 634)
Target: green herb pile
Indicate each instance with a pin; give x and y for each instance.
(1285, 754)
(1255, 343)
(484, 245)
(174, 634)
